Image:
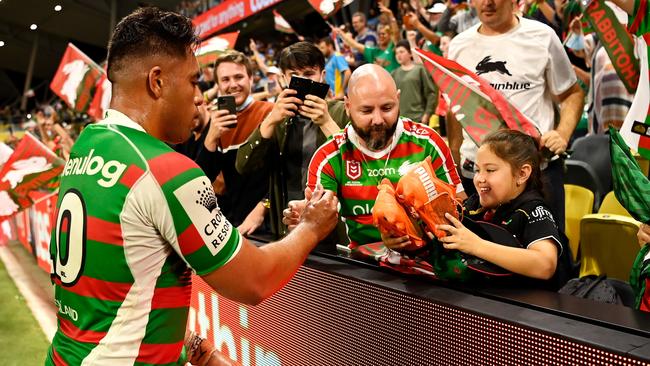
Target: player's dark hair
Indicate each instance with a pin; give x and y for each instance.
(517, 149)
(149, 31)
(301, 55)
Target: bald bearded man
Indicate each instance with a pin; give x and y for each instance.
(376, 144)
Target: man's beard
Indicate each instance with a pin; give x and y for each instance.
(376, 137)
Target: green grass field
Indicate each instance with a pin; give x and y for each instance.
(21, 339)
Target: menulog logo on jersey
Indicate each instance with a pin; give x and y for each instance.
(200, 203)
(353, 169)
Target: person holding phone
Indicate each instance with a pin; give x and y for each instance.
(234, 116)
(285, 141)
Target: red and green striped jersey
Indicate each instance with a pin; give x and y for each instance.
(346, 167)
(132, 215)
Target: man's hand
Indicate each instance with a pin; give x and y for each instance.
(286, 106)
(555, 142)
(425, 119)
(643, 235)
(220, 122)
(252, 45)
(395, 242)
(253, 220)
(321, 213)
(291, 214)
(315, 109)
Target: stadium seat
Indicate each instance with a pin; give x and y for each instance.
(611, 206)
(581, 174)
(594, 150)
(579, 201)
(608, 245)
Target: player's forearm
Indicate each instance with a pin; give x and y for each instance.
(454, 136)
(280, 260)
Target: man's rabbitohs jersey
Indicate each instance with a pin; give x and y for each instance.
(344, 166)
(132, 215)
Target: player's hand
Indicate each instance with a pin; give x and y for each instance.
(321, 213)
(201, 352)
(315, 109)
(460, 237)
(554, 142)
(395, 242)
(291, 214)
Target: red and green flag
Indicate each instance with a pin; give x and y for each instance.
(32, 166)
(75, 79)
(211, 48)
(326, 7)
(477, 106)
(281, 24)
(636, 126)
(618, 43)
(101, 99)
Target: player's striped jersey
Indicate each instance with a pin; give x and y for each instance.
(353, 171)
(132, 214)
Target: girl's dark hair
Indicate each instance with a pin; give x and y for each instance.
(517, 149)
(148, 31)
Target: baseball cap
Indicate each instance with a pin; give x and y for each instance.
(437, 8)
(274, 70)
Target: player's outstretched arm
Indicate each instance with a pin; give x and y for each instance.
(257, 273)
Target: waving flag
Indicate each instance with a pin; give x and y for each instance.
(326, 7)
(281, 24)
(478, 107)
(31, 166)
(210, 49)
(636, 127)
(101, 99)
(75, 78)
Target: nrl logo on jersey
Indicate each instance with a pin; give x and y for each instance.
(353, 169)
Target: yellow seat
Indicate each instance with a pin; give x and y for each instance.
(611, 206)
(608, 245)
(578, 202)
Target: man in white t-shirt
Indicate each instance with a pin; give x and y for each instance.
(524, 60)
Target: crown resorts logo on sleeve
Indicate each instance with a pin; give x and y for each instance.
(200, 203)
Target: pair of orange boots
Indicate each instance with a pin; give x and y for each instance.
(419, 196)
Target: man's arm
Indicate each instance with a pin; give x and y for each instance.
(427, 33)
(256, 273)
(454, 136)
(571, 106)
(349, 40)
(626, 5)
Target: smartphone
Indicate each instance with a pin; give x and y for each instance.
(227, 102)
(301, 86)
(304, 86)
(319, 89)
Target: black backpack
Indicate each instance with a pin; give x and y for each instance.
(601, 289)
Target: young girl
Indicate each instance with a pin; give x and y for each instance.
(508, 181)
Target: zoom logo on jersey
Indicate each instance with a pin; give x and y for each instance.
(199, 202)
(485, 65)
(90, 165)
(381, 172)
